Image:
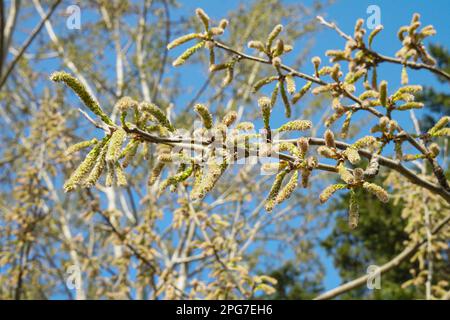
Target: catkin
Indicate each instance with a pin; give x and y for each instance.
(378, 191)
(204, 114)
(155, 111)
(273, 193)
(288, 189)
(329, 191)
(383, 93)
(79, 146)
(82, 93)
(84, 168)
(187, 54)
(115, 145)
(296, 125)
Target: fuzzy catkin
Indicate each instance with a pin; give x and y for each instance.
(353, 211)
(302, 92)
(285, 99)
(115, 145)
(345, 174)
(204, 114)
(378, 191)
(288, 189)
(329, 191)
(273, 34)
(188, 53)
(79, 146)
(84, 168)
(82, 93)
(290, 84)
(383, 93)
(97, 170)
(265, 105)
(182, 39)
(352, 155)
(262, 82)
(229, 118)
(273, 193)
(296, 125)
(155, 111)
(439, 125)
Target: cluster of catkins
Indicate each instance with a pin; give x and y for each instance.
(223, 142)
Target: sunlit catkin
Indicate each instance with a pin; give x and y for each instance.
(155, 111)
(353, 211)
(288, 189)
(187, 54)
(115, 145)
(329, 191)
(80, 146)
(84, 168)
(383, 93)
(270, 201)
(82, 93)
(296, 125)
(376, 190)
(204, 114)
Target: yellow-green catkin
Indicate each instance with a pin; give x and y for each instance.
(84, 168)
(177, 178)
(274, 95)
(156, 172)
(109, 180)
(288, 189)
(203, 17)
(204, 114)
(434, 150)
(411, 105)
(383, 93)
(188, 53)
(129, 152)
(254, 44)
(285, 99)
(345, 174)
(79, 146)
(302, 92)
(296, 125)
(270, 201)
(404, 78)
(346, 124)
(182, 39)
(121, 178)
(82, 93)
(229, 118)
(264, 81)
(290, 84)
(155, 111)
(126, 103)
(378, 191)
(374, 33)
(213, 173)
(352, 155)
(364, 142)
(330, 190)
(353, 211)
(245, 126)
(329, 139)
(439, 125)
(273, 34)
(316, 62)
(326, 152)
(97, 170)
(265, 105)
(115, 145)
